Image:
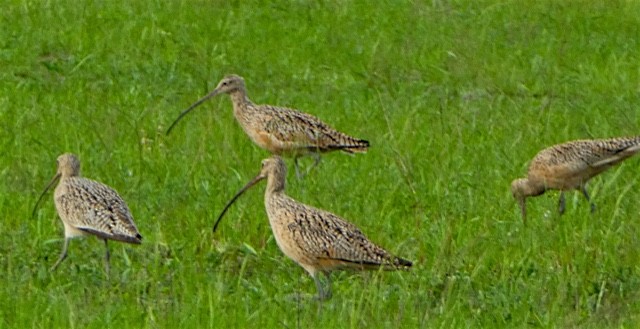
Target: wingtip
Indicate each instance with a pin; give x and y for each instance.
(403, 262)
(134, 240)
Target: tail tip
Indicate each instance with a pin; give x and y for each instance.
(359, 146)
(364, 143)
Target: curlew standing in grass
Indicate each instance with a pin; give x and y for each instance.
(317, 240)
(281, 131)
(570, 166)
(87, 207)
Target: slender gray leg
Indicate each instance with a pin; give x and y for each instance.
(586, 195)
(63, 254)
(561, 203)
(298, 173)
(328, 292)
(322, 293)
(107, 265)
(316, 162)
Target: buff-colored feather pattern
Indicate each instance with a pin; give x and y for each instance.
(95, 208)
(316, 239)
(571, 165)
(87, 207)
(280, 130)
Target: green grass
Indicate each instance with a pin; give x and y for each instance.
(455, 97)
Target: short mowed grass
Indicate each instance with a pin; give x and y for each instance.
(455, 97)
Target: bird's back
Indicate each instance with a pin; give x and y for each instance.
(287, 131)
(95, 208)
(575, 162)
(322, 239)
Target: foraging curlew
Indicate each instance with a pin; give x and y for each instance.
(317, 240)
(88, 207)
(281, 131)
(569, 166)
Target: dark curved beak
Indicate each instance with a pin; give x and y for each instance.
(53, 181)
(235, 197)
(523, 209)
(193, 106)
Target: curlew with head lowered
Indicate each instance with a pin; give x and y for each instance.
(570, 166)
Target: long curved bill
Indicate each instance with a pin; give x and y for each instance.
(523, 210)
(235, 197)
(193, 106)
(53, 180)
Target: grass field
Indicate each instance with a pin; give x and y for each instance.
(455, 97)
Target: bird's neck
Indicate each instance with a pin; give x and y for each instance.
(239, 98)
(533, 188)
(275, 185)
(242, 106)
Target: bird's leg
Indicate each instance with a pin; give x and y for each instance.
(322, 293)
(316, 161)
(298, 173)
(107, 265)
(561, 203)
(328, 292)
(63, 254)
(583, 189)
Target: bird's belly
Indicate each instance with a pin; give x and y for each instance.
(264, 140)
(288, 245)
(72, 232)
(276, 146)
(563, 180)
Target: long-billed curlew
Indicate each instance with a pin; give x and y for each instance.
(281, 131)
(89, 207)
(317, 240)
(569, 166)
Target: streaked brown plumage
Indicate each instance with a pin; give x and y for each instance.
(570, 166)
(281, 131)
(87, 207)
(316, 239)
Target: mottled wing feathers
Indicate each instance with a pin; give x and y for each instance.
(618, 151)
(305, 131)
(332, 240)
(97, 209)
(583, 154)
